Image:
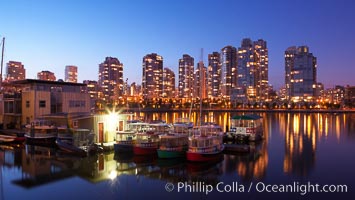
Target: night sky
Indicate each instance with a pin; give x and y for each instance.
(47, 35)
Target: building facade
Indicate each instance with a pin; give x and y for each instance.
(252, 79)
(30, 99)
(111, 79)
(46, 76)
(168, 83)
(71, 74)
(186, 76)
(200, 81)
(214, 75)
(228, 70)
(300, 74)
(15, 71)
(152, 78)
(92, 88)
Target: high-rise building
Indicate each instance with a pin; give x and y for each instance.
(46, 76)
(71, 74)
(168, 83)
(15, 71)
(252, 81)
(111, 79)
(134, 90)
(300, 74)
(93, 90)
(186, 76)
(228, 70)
(262, 60)
(214, 75)
(152, 78)
(200, 90)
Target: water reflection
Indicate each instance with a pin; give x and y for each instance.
(291, 147)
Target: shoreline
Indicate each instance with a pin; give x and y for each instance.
(332, 111)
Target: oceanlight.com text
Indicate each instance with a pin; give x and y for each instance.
(260, 187)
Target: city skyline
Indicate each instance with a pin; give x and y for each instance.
(50, 35)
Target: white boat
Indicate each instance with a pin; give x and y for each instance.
(126, 139)
(205, 144)
(182, 125)
(245, 127)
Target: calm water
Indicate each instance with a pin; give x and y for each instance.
(298, 149)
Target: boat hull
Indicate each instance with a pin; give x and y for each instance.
(203, 157)
(123, 148)
(144, 150)
(170, 154)
(41, 141)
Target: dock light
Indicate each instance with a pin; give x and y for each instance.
(112, 175)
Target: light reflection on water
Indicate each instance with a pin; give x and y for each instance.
(296, 146)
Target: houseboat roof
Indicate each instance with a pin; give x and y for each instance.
(246, 117)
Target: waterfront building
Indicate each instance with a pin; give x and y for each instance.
(349, 96)
(252, 78)
(168, 83)
(71, 74)
(186, 76)
(300, 74)
(30, 99)
(319, 90)
(334, 95)
(214, 75)
(228, 70)
(338, 94)
(152, 78)
(200, 89)
(46, 76)
(111, 79)
(15, 71)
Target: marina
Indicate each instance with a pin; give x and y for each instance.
(301, 149)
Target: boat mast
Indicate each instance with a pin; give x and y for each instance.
(2, 59)
(201, 65)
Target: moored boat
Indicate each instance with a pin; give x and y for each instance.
(126, 139)
(69, 148)
(41, 132)
(205, 145)
(245, 128)
(7, 138)
(173, 145)
(147, 143)
(182, 125)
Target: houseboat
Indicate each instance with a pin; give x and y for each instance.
(41, 132)
(126, 139)
(205, 144)
(245, 128)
